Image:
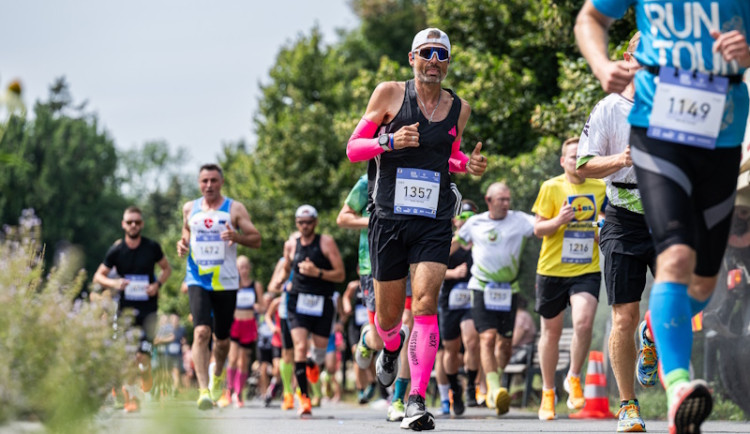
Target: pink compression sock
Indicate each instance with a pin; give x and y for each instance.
(423, 347)
(391, 338)
(239, 380)
(231, 373)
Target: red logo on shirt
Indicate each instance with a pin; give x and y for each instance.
(208, 223)
(453, 132)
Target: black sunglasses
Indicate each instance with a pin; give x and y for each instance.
(426, 53)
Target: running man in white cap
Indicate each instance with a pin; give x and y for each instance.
(410, 135)
(316, 262)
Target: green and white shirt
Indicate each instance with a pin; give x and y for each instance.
(607, 132)
(497, 246)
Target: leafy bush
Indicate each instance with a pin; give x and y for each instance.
(58, 358)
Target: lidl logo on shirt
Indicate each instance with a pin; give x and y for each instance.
(208, 223)
(584, 207)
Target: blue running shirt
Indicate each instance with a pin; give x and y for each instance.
(212, 263)
(676, 33)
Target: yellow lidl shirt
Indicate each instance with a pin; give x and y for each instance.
(572, 250)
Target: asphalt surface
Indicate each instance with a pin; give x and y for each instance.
(184, 417)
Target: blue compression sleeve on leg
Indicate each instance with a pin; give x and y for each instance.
(670, 323)
(399, 390)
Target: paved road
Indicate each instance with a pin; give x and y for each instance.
(182, 417)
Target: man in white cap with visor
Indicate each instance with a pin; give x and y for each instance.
(410, 135)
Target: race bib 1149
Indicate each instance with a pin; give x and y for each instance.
(688, 107)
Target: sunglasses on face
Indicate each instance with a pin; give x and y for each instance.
(133, 222)
(305, 222)
(426, 53)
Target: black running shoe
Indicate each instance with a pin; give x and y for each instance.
(471, 397)
(416, 416)
(458, 401)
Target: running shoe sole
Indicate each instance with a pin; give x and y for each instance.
(205, 404)
(692, 409)
(420, 422)
(394, 415)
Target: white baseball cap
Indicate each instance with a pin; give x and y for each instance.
(306, 211)
(423, 37)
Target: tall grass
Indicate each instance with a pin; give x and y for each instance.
(58, 358)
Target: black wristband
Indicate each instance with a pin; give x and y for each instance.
(158, 282)
(320, 273)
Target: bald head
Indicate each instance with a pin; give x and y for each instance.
(498, 200)
(496, 187)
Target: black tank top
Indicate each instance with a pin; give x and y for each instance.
(308, 284)
(433, 153)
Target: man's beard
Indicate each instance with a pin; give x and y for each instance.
(424, 78)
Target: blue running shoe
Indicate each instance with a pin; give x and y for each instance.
(648, 362)
(630, 417)
(445, 407)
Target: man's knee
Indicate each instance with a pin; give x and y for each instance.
(677, 261)
(202, 334)
(487, 340)
(625, 317)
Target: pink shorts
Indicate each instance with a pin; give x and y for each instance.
(244, 331)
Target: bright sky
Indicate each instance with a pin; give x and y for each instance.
(184, 71)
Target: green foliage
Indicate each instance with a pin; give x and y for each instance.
(67, 175)
(390, 25)
(58, 360)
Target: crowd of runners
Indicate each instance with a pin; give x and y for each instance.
(650, 184)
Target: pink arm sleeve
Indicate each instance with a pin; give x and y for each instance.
(362, 146)
(458, 160)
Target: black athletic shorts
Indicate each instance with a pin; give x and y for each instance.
(485, 319)
(395, 244)
(352, 333)
(213, 308)
(368, 291)
(688, 195)
(628, 252)
(553, 293)
(449, 319)
(266, 355)
(317, 325)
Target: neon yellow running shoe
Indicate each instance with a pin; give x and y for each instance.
(204, 400)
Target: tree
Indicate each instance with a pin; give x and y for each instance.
(67, 175)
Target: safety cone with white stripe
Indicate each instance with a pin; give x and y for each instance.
(595, 392)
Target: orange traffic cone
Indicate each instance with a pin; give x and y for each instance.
(595, 392)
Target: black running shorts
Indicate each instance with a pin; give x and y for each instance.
(628, 252)
(213, 308)
(317, 325)
(553, 293)
(688, 195)
(395, 244)
(485, 319)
